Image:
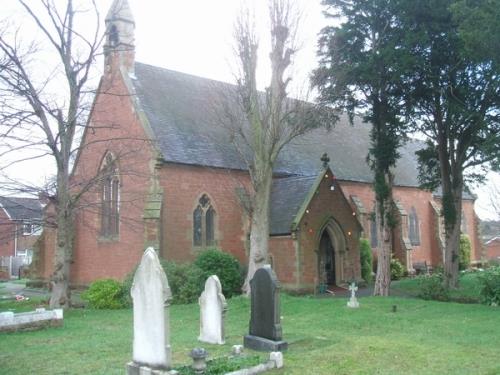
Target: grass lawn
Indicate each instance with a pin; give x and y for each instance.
(325, 337)
(467, 292)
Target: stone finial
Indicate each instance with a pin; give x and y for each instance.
(325, 159)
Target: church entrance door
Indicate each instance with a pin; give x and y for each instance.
(327, 256)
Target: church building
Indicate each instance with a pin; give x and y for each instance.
(169, 177)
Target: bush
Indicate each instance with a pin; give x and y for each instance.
(366, 259)
(104, 294)
(431, 288)
(185, 282)
(489, 282)
(225, 266)
(397, 269)
(464, 252)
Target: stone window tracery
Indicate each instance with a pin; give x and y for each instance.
(204, 223)
(413, 227)
(110, 197)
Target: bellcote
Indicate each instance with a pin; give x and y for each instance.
(120, 35)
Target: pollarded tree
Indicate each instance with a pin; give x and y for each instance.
(358, 75)
(270, 120)
(455, 101)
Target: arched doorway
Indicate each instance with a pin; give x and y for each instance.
(331, 250)
(327, 259)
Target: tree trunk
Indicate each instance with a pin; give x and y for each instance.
(384, 233)
(61, 295)
(453, 222)
(259, 232)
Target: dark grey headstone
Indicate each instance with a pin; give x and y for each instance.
(265, 321)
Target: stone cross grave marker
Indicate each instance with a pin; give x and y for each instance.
(353, 302)
(212, 310)
(265, 321)
(150, 293)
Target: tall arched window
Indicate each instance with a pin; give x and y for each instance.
(413, 230)
(110, 197)
(204, 223)
(373, 229)
(463, 223)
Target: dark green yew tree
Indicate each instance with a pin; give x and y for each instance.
(360, 75)
(454, 99)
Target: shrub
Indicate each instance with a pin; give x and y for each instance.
(185, 280)
(397, 269)
(104, 294)
(464, 252)
(366, 259)
(430, 287)
(489, 282)
(225, 266)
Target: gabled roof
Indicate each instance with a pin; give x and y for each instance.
(183, 112)
(22, 208)
(287, 197)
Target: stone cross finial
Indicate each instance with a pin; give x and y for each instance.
(325, 159)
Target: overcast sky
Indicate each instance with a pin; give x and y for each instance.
(195, 37)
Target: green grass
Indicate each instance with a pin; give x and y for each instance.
(325, 337)
(467, 292)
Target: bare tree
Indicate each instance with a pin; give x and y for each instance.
(44, 108)
(270, 119)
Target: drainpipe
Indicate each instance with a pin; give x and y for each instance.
(15, 239)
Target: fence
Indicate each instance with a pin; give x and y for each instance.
(14, 264)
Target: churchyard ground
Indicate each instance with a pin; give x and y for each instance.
(324, 336)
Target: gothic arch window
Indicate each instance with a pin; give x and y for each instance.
(463, 223)
(414, 229)
(373, 229)
(204, 223)
(110, 197)
(113, 36)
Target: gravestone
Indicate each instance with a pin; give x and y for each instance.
(353, 302)
(265, 321)
(150, 293)
(212, 310)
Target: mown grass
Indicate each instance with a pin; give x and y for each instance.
(467, 292)
(325, 337)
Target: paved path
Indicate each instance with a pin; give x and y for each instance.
(12, 289)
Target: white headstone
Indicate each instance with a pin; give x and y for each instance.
(353, 302)
(212, 309)
(149, 292)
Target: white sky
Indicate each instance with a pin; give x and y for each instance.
(195, 37)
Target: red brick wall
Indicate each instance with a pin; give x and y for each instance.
(7, 231)
(409, 197)
(327, 204)
(493, 249)
(114, 127)
(183, 186)
(282, 250)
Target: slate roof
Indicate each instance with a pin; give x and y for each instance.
(287, 196)
(22, 208)
(183, 111)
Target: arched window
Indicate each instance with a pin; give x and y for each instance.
(413, 230)
(113, 36)
(373, 230)
(110, 198)
(463, 223)
(204, 223)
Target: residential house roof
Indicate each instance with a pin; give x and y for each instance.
(22, 208)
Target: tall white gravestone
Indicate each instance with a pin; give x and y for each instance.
(150, 291)
(212, 309)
